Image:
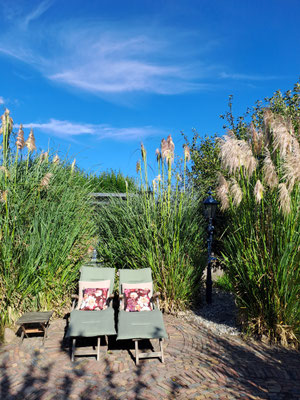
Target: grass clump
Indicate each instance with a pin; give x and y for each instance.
(260, 192)
(46, 225)
(161, 228)
(224, 283)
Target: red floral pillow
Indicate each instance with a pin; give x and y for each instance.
(137, 300)
(94, 299)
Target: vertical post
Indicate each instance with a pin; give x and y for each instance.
(208, 276)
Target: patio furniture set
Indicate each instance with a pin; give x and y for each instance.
(139, 316)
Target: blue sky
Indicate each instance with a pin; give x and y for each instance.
(95, 78)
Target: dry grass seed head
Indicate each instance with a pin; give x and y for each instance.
(222, 192)
(284, 199)
(187, 153)
(291, 164)
(56, 159)
(138, 166)
(4, 170)
(7, 122)
(44, 156)
(73, 165)
(167, 149)
(143, 152)
(282, 132)
(46, 180)
(236, 153)
(154, 185)
(158, 154)
(258, 191)
(30, 142)
(269, 171)
(3, 196)
(236, 192)
(20, 142)
(171, 144)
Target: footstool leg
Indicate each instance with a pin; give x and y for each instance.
(137, 361)
(98, 348)
(73, 349)
(22, 334)
(161, 350)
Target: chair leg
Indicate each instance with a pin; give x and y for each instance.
(98, 348)
(161, 350)
(137, 361)
(73, 349)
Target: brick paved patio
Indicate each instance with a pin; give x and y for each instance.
(198, 365)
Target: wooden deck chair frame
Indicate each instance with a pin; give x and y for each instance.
(86, 272)
(155, 302)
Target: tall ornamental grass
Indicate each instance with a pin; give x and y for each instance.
(260, 191)
(161, 228)
(46, 225)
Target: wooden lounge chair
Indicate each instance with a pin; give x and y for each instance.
(143, 324)
(92, 323)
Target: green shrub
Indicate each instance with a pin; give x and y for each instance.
(159, 228)
(46, 225)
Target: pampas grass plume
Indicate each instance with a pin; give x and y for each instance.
(236, 192)
(222, 192)
(187, 153)
(20, 142)
(258, 191)
(237, 153)
(46, 180)
(284, 199)
(30, 142)
(269, 171)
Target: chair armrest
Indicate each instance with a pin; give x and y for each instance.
(75, 298)
(121, 298)
(110, 299)
(156, 297)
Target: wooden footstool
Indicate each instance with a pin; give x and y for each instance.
(35, 322)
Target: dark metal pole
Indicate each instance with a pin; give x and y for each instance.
(210, 231)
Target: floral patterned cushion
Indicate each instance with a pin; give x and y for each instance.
(94, 299)
(137, 300)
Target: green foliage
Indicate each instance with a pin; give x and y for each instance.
(46, 225)
(223, 282)
(261, 194)
(109, 182)
(161, 229)
(206, 164)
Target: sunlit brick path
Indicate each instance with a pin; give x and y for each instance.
(198, 365)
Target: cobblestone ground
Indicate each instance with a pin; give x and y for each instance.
(198, 365)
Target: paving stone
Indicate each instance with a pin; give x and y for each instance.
(198, 365)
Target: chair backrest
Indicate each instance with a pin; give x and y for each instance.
(134, 276)
(98, 274)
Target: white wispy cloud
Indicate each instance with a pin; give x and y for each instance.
(69, 130)
(113, 60)
(2, 100)
(247, 77)
(36, 12)
(106, 59)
